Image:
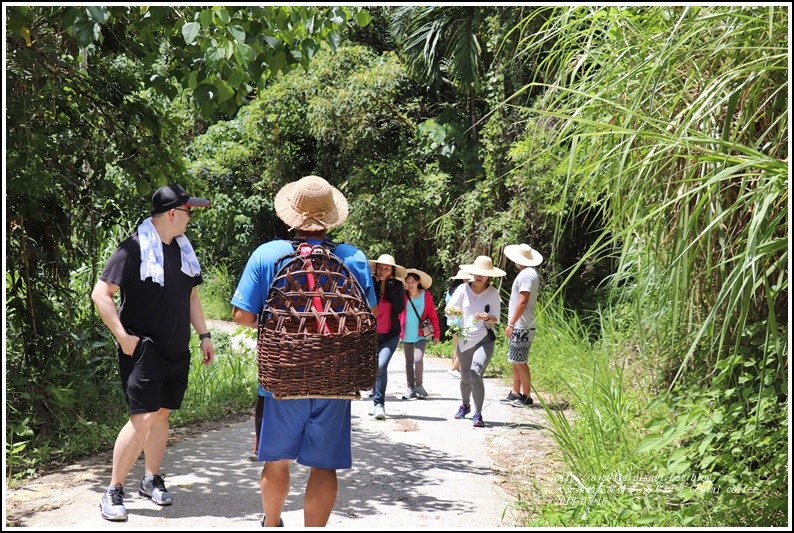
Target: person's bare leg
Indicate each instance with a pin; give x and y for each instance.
(129, 445)
(156, 440)
(274, 485)
(516, 379)
(320, 497)
(523, 375)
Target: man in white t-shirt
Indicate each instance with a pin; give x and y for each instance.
(520, 330)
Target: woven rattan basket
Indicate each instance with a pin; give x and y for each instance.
(317, 339)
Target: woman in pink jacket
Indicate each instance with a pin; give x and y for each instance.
(419, 306)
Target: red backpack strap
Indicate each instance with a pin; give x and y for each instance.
(305, 249)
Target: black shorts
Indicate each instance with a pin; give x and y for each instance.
(152, 378)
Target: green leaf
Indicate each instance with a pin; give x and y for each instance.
(237, 32)
(190, 31)
(224, 91)
(204, 93)
(363, 18)
(650, 442)
(237, 77)
(215, 57)
(158, 13)
(99, 14)
(206, 18)
(85, 32)
(142, 186)
(223, 15)
(243, 53)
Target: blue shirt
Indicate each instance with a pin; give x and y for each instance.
(411, 333)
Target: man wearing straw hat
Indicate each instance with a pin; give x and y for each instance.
(314, 432)
(520, 330)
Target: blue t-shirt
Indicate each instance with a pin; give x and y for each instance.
(411, 333)
(254, 284)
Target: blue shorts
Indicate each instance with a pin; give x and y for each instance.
(314, 432)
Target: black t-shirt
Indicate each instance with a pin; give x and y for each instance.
(147, 309)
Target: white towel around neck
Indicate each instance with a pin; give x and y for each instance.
(152, 254)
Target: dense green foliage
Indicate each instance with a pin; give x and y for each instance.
(642, 150)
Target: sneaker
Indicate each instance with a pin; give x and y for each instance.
(262, 522)
(112, 504)
(521, 401)
(153, 487)
(410, 394)
(477, 421)
(367, 393)
(380, 412)
(454, 373)
(510, 397)
(420, 392)
(463, 411)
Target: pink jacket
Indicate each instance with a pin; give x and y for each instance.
(430, 311)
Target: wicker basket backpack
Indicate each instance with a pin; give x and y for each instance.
(317, 336)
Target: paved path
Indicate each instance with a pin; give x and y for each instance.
(419, 469)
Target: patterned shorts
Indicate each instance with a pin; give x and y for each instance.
(518, 345)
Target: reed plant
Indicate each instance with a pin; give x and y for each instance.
(672, 124)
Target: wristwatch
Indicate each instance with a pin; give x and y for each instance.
(205, 336)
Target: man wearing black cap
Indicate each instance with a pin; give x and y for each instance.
(157, 272)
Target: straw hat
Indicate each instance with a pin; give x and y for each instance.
(311, 204)
(465, 276)
(483, 266)
(424, 278)
(523, 254)
(386, 259)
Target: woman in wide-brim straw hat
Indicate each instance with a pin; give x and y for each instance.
(461, 276)
(388, 276)
(478, 305)
(386, 259)
(419, 306)
(453, 322)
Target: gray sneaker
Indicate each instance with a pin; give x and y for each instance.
(153, 487)
(522, 401)
(510, 397)
(112, 504)
(410, 394)
(420, 392)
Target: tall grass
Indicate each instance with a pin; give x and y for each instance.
(672, 123)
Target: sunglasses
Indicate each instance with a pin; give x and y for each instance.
(188, 211)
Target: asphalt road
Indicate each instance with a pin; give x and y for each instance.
(418, 469)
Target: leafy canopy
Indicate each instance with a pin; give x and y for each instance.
(221, 53)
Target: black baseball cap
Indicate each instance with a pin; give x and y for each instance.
(172, 196)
